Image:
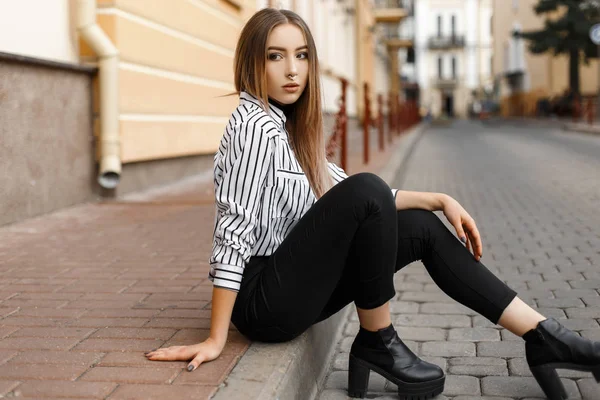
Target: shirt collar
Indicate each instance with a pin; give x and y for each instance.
(275, 113)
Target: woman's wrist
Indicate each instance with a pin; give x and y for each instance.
(218, 341)
(440, 202)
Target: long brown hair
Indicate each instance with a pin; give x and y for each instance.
(305, 121)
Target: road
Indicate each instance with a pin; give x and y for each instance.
(535, 194)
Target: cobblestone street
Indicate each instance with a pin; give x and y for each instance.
(534, 193)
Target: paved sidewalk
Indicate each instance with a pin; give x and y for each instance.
(86, 290)
(534, 194)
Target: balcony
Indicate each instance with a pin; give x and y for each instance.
(394, 40)
(445, 82)
(390, 11)
(446, 42)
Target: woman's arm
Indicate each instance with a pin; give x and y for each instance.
(220, 316)
(424, 200)
(463, 223)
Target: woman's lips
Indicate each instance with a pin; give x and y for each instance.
(291, 88)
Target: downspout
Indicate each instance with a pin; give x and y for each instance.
(108, 61)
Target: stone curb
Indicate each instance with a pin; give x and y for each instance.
(582, 128)
(296, 370)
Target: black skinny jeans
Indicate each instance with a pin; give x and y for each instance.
(347, 248)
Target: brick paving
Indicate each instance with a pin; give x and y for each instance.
(85, 291)
(534, 193)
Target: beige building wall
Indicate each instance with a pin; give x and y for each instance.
(46, 33)
(545, 74)
(176, 61)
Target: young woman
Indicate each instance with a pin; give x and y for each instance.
(296, 240)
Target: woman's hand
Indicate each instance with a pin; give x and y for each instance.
(198, 353)
(464, 225)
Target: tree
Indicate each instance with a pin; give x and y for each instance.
(568, 34)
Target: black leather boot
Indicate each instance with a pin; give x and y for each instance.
(549, 346)
(384, 353)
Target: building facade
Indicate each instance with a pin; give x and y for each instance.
(173, 68)
(518, 71)
(453, 53)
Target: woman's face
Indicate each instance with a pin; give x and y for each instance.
(287, 63)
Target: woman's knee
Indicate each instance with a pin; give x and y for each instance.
(371, 186)
(424, 224)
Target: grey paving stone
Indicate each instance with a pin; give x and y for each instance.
(460, 385)
(334, 394)
(409, 287)
(592, 334)
(508, 335)
(448, 349)
(564, 275)
(424, 296)
(548, 312)
(421, 334)
(587, 284)
(591, 301)
(478, 366)
(575, 293)
(482, 322)
(580, 323)
(345, 344)
(519, 367)
(560, 303)
(430, 320)
(351, 329)
(446, 308)
(340, 362)
(474, 335)
(590, 390)
(481, 398)
(404, 307)
(515, 386)
(550, 285)
(501, 349)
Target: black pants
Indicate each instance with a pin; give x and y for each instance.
(345, 249)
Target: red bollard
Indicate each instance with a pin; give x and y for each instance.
(366, 124)
(380, 122)
(590, 111)
(576, 108)
(340, 130)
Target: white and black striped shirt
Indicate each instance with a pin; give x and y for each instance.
(260, 190)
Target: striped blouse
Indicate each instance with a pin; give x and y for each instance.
(261, 191)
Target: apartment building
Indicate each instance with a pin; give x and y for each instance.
(76, 126)
(518, 71)
(453, 49)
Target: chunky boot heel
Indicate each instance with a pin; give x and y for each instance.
(358, 378)
(596, 374)
(550, 382)
(384, 353)
(550, 346)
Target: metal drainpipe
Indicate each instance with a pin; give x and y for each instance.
(108, 61)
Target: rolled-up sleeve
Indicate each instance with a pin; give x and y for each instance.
(242, 172)
(338, 175)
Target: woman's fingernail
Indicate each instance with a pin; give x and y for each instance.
(190, 368)
(463, 239)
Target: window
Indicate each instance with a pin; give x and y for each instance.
(439, 25)
(440, 67)
(453, 25)
(453, 67)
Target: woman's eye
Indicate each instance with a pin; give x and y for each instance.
(302, 55)
(275, 56)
